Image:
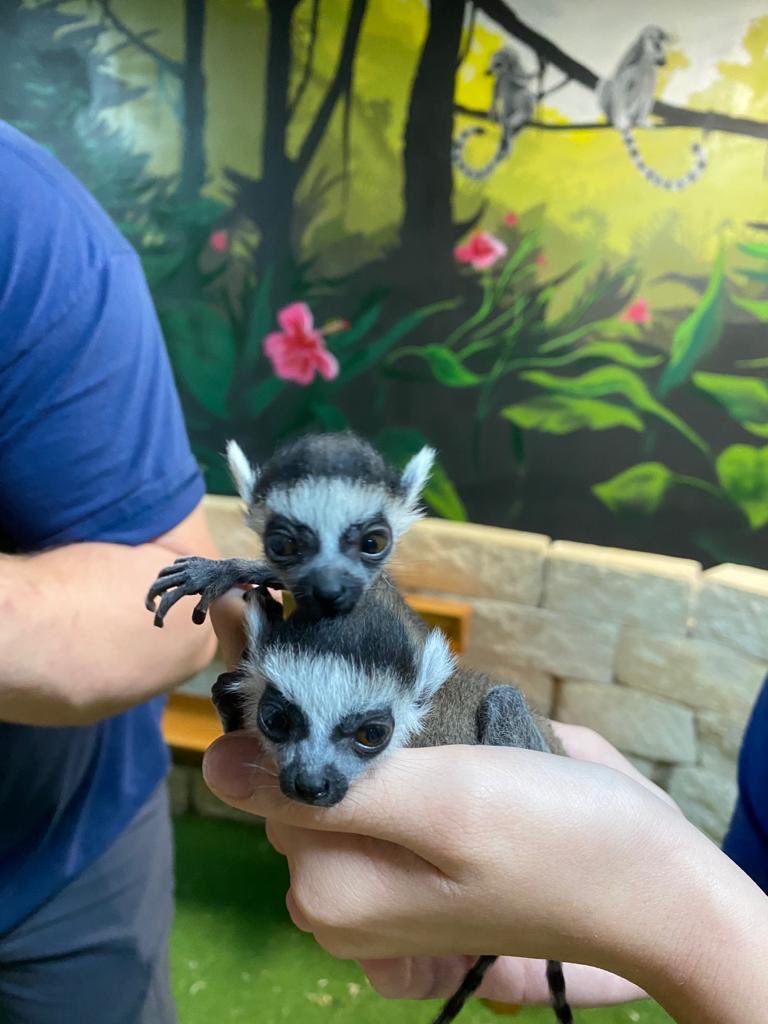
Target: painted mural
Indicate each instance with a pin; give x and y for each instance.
(532, 234)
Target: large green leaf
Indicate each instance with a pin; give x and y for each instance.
(446, 367)
(399, 444)
(757, 307)
(361, 326)
(640, 489)
(698, 333)
(742, 471)
(261, 320)
(615, 351)
(613, 380)
(560, 414)
(745, 398)
(757, 249)
(203, 349)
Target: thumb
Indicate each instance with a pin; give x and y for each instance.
(391, 802)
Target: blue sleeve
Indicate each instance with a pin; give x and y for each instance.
(92, 441)
(747, 838)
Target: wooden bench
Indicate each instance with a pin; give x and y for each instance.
(190, 723)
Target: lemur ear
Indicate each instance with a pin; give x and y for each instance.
(436, 665)
(243, 473)
(415, 475)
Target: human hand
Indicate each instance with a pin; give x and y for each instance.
(456, 851)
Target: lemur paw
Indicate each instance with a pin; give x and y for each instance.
(187, 576)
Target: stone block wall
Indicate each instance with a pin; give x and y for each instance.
(662, 658)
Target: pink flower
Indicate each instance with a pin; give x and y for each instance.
(637, 312)
(219, 240)
(511, 219)
(541, 259)
(481, 251)
(299, 350)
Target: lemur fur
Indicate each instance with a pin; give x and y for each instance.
(627, 99)
(328, 509)
(512, 107)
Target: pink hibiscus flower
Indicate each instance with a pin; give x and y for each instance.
(298, 351)
(637, 312)
(511, 220)
(541, 259)
(219, 240)
(481, 251)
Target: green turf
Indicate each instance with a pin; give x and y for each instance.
(237, 957)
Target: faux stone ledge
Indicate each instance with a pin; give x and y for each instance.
(634, 722)
(562, 645)
(612, 585)
(471, 560)
(725, 732)
(733, 608)
(700, 673)
(706, 797)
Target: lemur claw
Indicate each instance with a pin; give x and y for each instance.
(204, 576)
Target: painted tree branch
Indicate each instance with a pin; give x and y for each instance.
(138, 39)
(671, 116)
(307, 70)
(340, 84)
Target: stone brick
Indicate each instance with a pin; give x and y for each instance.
(644, 765)
(634, 722)
(710, 756)
(537, 685)
(471, 560)
(613, 585)
(209, 806)
(226, 522)
(706, 797)
(722, 731)
(202, 682)
(700, 673)
(733, 608)
(562, 645)
(180, 787)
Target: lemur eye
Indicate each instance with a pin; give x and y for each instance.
(373, 736)
(375, 542)
(274, 722)
(281, 546)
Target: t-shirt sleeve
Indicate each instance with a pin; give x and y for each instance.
(92, 440)
(747, 838)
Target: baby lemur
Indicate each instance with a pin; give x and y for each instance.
(353, 672)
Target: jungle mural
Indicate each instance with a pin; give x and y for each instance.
(528, 233)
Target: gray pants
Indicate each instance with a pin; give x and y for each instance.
(97, 953)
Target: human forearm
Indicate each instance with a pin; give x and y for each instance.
(77, 644)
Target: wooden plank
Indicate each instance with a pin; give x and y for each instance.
(190, 722)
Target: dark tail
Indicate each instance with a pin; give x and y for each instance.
(469, 985)
(478, 173)
(698, 166)
(556, 982)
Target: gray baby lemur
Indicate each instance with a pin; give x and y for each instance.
(627, 99)
(330, 693)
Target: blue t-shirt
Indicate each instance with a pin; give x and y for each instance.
(747, 839)
(92, 448)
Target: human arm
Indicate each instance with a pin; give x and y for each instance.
(77, 642)
(427, 856)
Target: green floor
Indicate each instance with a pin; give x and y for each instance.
(237, 957)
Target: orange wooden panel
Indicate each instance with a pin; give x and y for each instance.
(453, 617)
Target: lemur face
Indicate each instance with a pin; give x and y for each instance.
(656, 41)
(328, 510)
(326, 714)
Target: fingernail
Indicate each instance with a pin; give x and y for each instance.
(227, 766)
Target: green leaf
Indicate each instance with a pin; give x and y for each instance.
(743, 474)
(745, 398)
(328, 417)
(757, 307)
(446, 367)
(362, 325)
(753, 275)
(698, 333)
(262, 395)
(202, 346)
(757, 249)
(159, 265)
(613, 380)
(640, 489)
(261, 320)
(559, 414)
(399, 444)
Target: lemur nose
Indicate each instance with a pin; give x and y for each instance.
(329, 590)
(311, 788)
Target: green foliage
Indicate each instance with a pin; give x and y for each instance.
(561, 414)
(202, 346)
(698, 333)
(640, 489)
(742, 471)
(745, 398)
